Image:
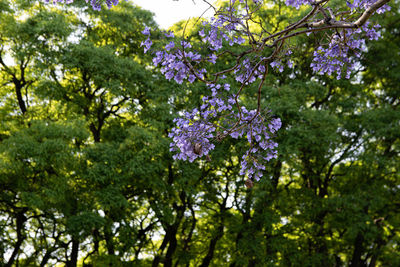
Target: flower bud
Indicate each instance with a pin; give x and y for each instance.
(197, 148)
(249, 183)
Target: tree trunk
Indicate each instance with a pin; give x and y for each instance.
(74, 253)
(20, 221)
(211, 248)
(358, 250)
(21, 102)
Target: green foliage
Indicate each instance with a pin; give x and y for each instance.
(87, 179)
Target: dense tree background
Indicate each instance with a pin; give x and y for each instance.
(87, 178)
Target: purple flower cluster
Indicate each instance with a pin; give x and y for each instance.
(278, 65)
(333, 58)
(147, 43)
(111, 3)
(247, 72)
(176, 59)
(259, 133)
(178, 63)
(336, 57)
(219, 101)
(220, 114)
(192, 136)
(96, 4)
(364, 4)
(298, 3)
(194, 132)
(222, 28)
(355, 4)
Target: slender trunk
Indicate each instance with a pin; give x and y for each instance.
(172, 245)
(20, 221)
(186, 246)
(46, 256)
(356, 260)
(377, 251)
(246, 217)
(108, 236)
(95, 132)
(164, 244)
(96, 240)
(211, 248)
(74, 253)
(21, 102)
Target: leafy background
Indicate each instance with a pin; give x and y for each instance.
(87, 179)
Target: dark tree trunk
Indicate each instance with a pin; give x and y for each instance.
(246, 217)
(95, 132)
(20, 221)
(108, 236)
(74, 253)
(356, 260)
(47, 256)
(211, 248)
(172, 245)
(21, 102)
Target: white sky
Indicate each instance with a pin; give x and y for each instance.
(168, 12)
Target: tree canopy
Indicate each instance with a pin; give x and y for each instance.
(87, 178)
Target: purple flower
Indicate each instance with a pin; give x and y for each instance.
(212, 58)
(169, 46)
(277, 65)
(147, 44)
(195, 131)
(146, 31)
(169, 34)
(111, 3)
(297, 3)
